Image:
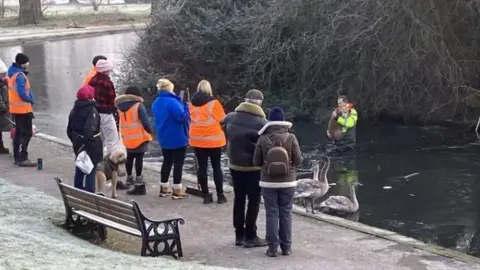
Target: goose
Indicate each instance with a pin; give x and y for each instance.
(313, 188)
(341, 204)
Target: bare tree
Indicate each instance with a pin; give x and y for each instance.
(2, 9)
(45, 5)
(30, 12)
(96, 4)
(73, 2)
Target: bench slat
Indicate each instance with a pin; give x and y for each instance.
(95, 212)
(103, 209)
(85, 208)
(109, 223)
(88, 197)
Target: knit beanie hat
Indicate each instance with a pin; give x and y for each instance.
(86, 92)
(133, 90)
(104, 65)
(21, 59)
(3, 67)
(254, 94)
(276, 114)
(98, 57)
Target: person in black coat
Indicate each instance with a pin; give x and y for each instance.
(84, 132)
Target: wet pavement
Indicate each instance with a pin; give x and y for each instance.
(208, 234)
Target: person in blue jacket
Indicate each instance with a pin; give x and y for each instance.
(172, 121)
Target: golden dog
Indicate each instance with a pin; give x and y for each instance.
(107, 170)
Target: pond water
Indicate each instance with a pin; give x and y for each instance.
(439, 203)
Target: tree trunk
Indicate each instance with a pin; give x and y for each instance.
(155, 5)
(30, 12)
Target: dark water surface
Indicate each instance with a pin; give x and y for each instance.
(439, 205)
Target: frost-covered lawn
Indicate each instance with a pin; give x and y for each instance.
(30, 238)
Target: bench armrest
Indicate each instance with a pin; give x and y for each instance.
(173, 220)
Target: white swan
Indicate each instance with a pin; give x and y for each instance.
(310, 189)
(341, 204)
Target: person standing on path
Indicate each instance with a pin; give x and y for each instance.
(105, 95)
(5, 118)
(21, 102)
(83, 130)
(241, 128)
(135, 130)
(278, 152)
(172, 122)
(94, 69)
(207, 138)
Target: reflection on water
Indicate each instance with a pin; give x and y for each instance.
(57, 70)
(439, 205)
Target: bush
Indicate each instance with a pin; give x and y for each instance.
(417, 60)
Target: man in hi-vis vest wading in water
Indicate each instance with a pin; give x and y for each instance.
(346, 117)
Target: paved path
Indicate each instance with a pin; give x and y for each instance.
(20, 35)
(208, 234)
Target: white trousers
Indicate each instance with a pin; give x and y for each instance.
(109, 132)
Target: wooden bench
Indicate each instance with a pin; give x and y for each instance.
(85, 209)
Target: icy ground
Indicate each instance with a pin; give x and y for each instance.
(31, 240)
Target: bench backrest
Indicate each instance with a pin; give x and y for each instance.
(114, 210)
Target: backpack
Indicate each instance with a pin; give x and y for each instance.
(277, 159)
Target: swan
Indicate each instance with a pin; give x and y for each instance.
(341, 204)
(313, 188)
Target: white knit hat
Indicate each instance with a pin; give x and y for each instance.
(104, 65)
(3, 67)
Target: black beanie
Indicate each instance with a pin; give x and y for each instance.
(21, 59)
(98, 57)
(133, 90)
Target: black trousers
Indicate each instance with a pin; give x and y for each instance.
(175, 158)
(246, 185)
(215, 155)
(138, 158)
(23, 134)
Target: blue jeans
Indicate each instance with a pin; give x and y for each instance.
(278, 208)
(89, 183)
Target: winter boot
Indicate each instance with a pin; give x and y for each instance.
(178, 192)
(256, 242)
(130, 180)
(271, 252)
(121, 185)
(221, 199)
(164, 190)
(207, 199)
(23, 160)
(138, 188)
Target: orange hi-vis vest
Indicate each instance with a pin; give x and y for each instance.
(205, 129)
(90, 75)
(17, 104)
(131, 129)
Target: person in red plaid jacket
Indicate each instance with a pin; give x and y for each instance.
(105, 95)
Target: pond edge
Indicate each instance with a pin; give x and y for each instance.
(31, 37)
(356, 226)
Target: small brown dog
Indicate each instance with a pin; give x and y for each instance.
(334, 131)
(107, 170)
